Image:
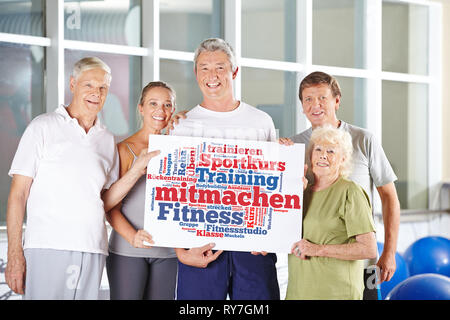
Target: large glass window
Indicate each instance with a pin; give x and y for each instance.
(184, 24)
(21, 99)
(379, 50)
(332, 34)
(352, 106)
(104, 21)
(274, 92)
(338, 30)
(22, 17)
(405, 38)
(405, 118)
(180, 74)
(269, 29)
(119, 112)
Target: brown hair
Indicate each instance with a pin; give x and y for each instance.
(317, 78)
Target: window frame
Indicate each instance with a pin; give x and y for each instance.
(151, 55)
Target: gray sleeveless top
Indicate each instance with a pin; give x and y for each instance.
(133, 207)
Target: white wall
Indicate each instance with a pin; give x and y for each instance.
(445, 88)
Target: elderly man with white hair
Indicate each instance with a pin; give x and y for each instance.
(64, 174)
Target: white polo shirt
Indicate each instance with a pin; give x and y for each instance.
(70, 168)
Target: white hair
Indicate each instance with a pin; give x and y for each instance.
(89, 63)
(216, 44)
(339, 138)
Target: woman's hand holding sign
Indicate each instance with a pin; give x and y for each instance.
(140, 237)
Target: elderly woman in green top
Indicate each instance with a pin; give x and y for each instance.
(338, 228)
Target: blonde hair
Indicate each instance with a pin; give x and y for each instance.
(339, 138)
(89, 63)
(146, 89)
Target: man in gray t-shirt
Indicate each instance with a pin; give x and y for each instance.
(320, 96)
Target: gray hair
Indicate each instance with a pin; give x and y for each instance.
(339, 138)
(216, 44)
(89, 63)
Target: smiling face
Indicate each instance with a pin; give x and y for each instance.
(215, 75)
(157, 108)
(326, 159)
(320, 106)
(89, 91)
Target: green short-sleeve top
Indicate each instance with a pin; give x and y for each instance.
(334, 215)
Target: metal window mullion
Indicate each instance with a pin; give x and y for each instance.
(176, 55)
(304, 26)
(105, 48)
(373, 51)
(150, 39)
(232, 34)
(24, 39)
(304, 34)
(54, 84)
(427, 3)
(272, 64)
